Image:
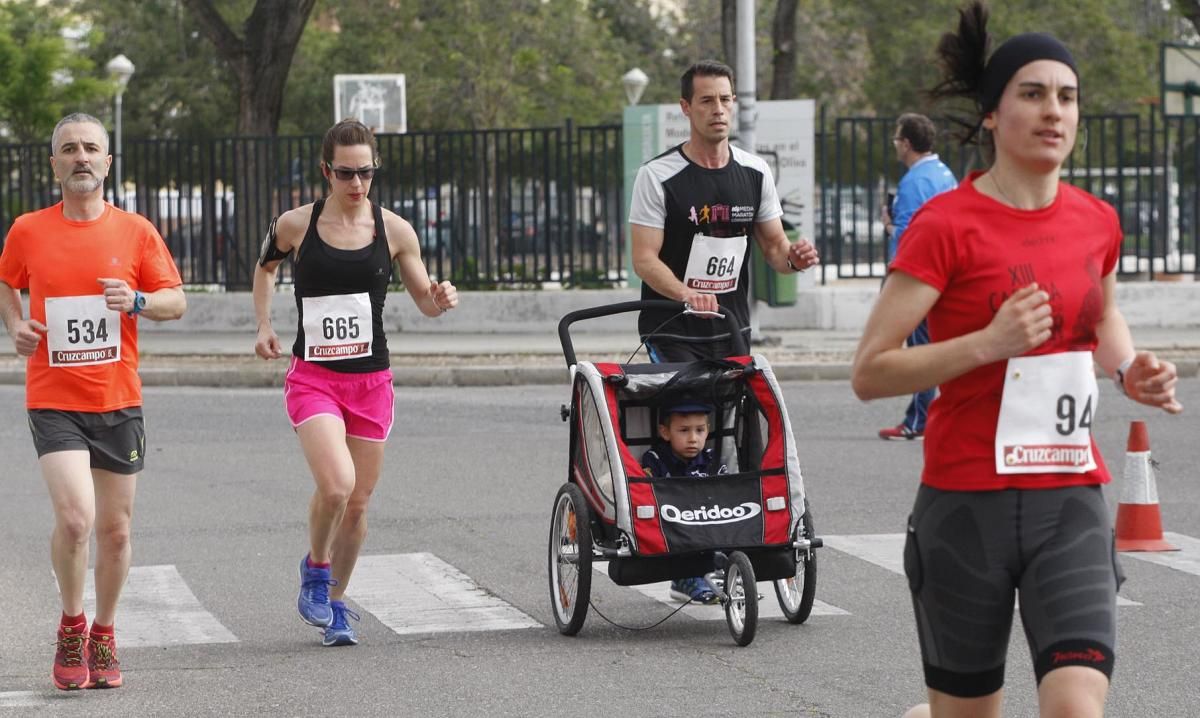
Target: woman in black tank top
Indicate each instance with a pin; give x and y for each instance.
(322, 270)
(338, 388)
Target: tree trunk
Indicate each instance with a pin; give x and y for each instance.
(260, 59)
(784, 55)
(729, 33)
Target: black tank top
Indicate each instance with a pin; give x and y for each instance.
(322, 270)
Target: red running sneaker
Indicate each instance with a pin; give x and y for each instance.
(900, 432)
(70, 670)
(102, 662)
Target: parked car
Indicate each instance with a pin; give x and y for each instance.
(851, 225)
(192, 239)
(429, 219)
(530, 233)
(522, 233)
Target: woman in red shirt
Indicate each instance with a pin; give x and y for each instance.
(1016, 271)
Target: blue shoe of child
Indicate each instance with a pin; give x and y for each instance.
(313, 602)
(696, 590)
(339, 633)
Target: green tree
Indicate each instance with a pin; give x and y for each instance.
(1114, 42)
(41, 77)
(180, 87)
(468, 64)
(649, 37)
(259, 58)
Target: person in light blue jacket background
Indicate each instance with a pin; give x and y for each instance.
(926, 177)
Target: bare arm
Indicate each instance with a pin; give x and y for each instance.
(1145, 378)
(161, 305)
(432, 298)
(165, 304)
(25, 333)
(884, 367)
(289, 233)
(647, 243)
(266, 342)
(778, 250)
(10, 306)
(1115, 342)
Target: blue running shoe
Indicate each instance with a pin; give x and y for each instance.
(339, 633)
(314, 595)
(696, 590)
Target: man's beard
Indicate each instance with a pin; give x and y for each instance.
(82, 184)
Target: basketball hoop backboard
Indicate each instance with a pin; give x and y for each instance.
(1180, 80)
(377, 101)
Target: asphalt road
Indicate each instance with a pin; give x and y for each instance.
(470, 478)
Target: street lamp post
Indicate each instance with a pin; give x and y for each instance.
(634, 81)
(121, 69)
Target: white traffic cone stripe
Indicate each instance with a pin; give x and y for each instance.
(1138, 486)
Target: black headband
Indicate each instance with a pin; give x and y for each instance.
(1015, 53)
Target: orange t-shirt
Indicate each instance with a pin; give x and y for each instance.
(57, 259)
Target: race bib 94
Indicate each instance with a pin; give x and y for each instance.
(1046, 415)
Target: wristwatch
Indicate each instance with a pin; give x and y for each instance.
(1119, 375)
(139, 303)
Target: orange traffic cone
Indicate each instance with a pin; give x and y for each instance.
(1139, 523)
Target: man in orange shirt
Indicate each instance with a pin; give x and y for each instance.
(91, 270)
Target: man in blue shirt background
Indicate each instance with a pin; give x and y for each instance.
(926, 176)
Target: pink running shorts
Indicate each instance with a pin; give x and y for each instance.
(364, 402)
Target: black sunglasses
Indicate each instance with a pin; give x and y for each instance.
(346, 174)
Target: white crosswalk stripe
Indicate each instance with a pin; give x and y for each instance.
(768, 605)
(1186, 559)
(158, 609)
(883, 550)
(420, 593)
(887, 551)
(23, 699)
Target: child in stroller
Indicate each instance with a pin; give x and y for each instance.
(680, 451)
(751, 523)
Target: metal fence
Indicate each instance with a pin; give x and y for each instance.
(526, 207)
(543, 206)
(1145, 166)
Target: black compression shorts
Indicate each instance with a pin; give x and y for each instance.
(967, 552)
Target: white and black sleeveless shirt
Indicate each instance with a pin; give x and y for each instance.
(707, 217)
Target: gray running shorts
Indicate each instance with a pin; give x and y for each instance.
(115, 440)
(665, 350)
(966, 555)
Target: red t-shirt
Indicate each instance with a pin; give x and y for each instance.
(55, 258)
(977, 252)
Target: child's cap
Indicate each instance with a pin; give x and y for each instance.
(689, 406)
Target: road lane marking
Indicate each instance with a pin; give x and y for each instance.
(887, 551)
(420, 593)
(1186, 559)
(22, 699)
(768, 603)
(883, 550)
(158, 609)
